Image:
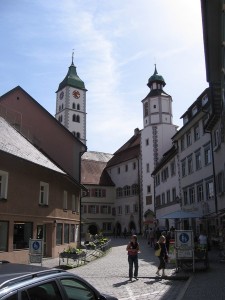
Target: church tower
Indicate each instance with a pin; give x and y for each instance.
(71, 104)
(156, 134)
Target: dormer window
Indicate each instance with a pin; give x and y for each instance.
(194, 110)
(185, 119)
(204, 100)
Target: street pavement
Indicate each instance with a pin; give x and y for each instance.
(109, 274)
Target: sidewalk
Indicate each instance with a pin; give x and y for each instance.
(207, 284)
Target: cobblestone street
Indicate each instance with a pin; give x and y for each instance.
(109, 274)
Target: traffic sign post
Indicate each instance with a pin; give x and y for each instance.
(184, 245)
(36, 250)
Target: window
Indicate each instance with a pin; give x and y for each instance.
(168, 196)
(148, 189)
(66, 233)
(92, 209)
(198, 160)
(43, 195)
(190, 164)
(207, 152)
(163, 198)
(118, 170)
(76, 290)
(174, 194)
(78, 135)
(65, 200)
(3, 184)
(73, 203)
(126, 190)
(77, 204)
(78, 119)
(78, 106)
(147, 142)
(204, 100)
(127, 209)
(4, 228)
(149, 200)
(185, 195)
(99, 193)
(74, 106)
(209, 190)
(119, 192)
(220, 183)
(157, 179)
(182, 143)
(146, 109)
(119, 209)
(216, 138)
(74, 118)
(135, 208)
(192, 195)
(106, 226)
(188, 138)
(59, 230)
(183, 168)
(134, 165)
(147, 168)
(200, 195)
(194, 110)
(104, 209)
(23, 232)
(72, 233)
(173, 168)
(126, 168)
(157, 201)
(134, 189)
(47, 290)
(196, 133)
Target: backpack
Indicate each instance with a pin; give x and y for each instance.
(156, 246)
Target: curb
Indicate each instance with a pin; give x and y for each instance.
(183, 291)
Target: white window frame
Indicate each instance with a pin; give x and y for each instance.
(3, 184)
(44, 193)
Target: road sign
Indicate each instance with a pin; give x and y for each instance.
(36, 250)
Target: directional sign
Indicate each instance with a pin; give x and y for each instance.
(36, 246)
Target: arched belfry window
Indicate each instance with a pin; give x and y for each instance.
(78, 135)
(78, 106)
(74, 118)
(146, 109)
(78, 119)
(74, 106)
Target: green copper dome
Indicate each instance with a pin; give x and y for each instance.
(156, 78)
(72, 79)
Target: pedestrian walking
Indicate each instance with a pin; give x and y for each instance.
(163, 256)
(132, 250)
(151, 236)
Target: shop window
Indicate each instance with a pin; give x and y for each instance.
(4, 227)
(22, 234)
(66, 233)
(59, 228)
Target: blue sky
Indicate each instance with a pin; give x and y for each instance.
(116, 44)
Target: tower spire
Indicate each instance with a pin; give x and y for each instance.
(72, 57)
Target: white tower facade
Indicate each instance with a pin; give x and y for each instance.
(71, 104)
(156, 135)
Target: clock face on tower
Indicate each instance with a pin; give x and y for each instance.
(61, 95)
(76, 94)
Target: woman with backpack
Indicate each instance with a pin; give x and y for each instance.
(162, 255)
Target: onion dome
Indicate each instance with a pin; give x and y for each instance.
(156, 78)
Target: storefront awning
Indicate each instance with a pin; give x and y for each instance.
(181, 214)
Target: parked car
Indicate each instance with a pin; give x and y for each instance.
(31, 282)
